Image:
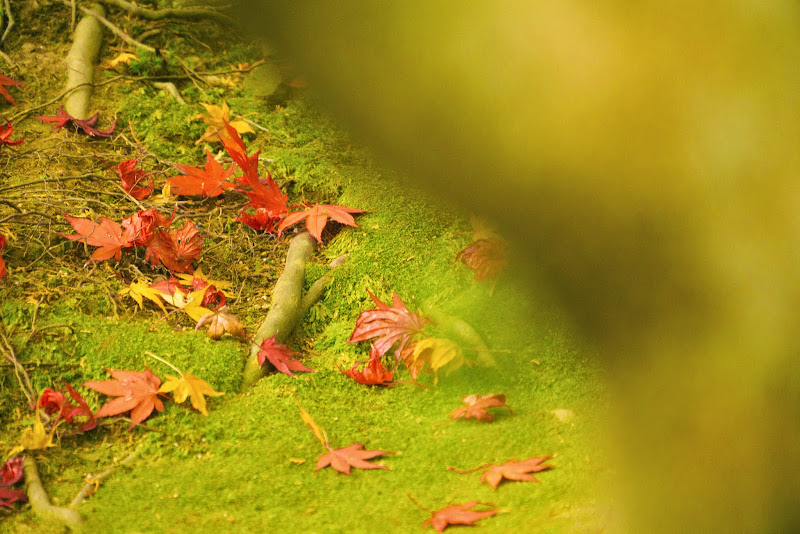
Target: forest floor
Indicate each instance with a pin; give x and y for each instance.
(249, 465)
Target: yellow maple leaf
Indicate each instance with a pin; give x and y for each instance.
(437, 354)
(198, 273)
(315, 428)
(188, 385)
(35, 438)
(216, 119)
(191, 303)
(140, 289)
(122, 57)
(164, 197)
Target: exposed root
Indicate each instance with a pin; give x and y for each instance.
(80, 61)
(171, 89)
(187, 13)
(40, 502)
(285, 309)
(114, 29)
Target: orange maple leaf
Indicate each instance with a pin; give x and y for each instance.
(457, 514)
(105, 233)
(137, 392)
(352, 456)
(388, 325)
(477, 407)
(317, 217)
(210, 181)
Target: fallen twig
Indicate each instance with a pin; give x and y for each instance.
(186, 13)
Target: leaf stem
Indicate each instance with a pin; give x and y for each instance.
(162, 360)
(462, 472)
(418, 505)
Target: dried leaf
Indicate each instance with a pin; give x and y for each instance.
(221, 321)
(374, 373)
(352, 456)
(5, 80)
(5, 133)
(188, 385)
(315, 428)
(457, 514)
(513, 470)
(123, 57)
(105, 234)
(477, 407)
(216, 120)
(37, 437)
(192, 303)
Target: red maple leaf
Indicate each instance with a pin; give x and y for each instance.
(513, 470)
(132, 178)
(388, 325)
(477, 407)
(485, 257)
(280, 356)
(170, 286)
(2, 261)
(105, 234)
(11, 472)
(5, 133)
(210, 181)
(317, 217)
(234, 145)
(137, 392)
(352, 456)
(55, 401)
(5, 80)
(374, 373)
(142, 225)
(9, 497)
(175, 249)
(457, 514)
(87, 125)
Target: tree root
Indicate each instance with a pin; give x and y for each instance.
(39, 501)
(187, 13)
(80, 61)
(285, 309)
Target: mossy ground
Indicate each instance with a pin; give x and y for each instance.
(238, 469)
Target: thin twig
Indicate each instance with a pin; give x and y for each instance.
(92, 481)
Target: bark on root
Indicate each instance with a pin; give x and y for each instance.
(284, 312)
(81, 60)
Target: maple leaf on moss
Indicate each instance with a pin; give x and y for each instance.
(139, 291)
(3, 242)
(175, 249)
(388, 325)
(132, 178)
(316, 218)
(351, 456)
(280, 356)
(198, 280)
(5, 133)
(137, 392)
(221, 321)
(191, 303)
(433, 354)
(477, 407)
(216, 120)
(510, 470)
(142, 225)
(210, 181)
(5, 80)
(457, 514)
(374, 373)
(104, 233)
(188, 385)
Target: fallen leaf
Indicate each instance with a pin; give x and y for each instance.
(434, 354)
(513, 470)
(315, 428)
(198, 280)
(221, 321)
(5, 133)
(388, 325)
(5, 80)
(477, 407)
(139, 291)
(137, 392)
(210, 181)
(141, 226)
(37, 437)
(485, 257)
(132, 178)
(123, 57)
(317, 217)
(10, 496)
(105, 234)
(217, 118)
(374, 373)
(87, 125)
(280, 356)
(352, 456)
(188, 385)
(3, 242)
(175, 249)
(457, 514)
(11, 472)
(190, 303)
(169, 286)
